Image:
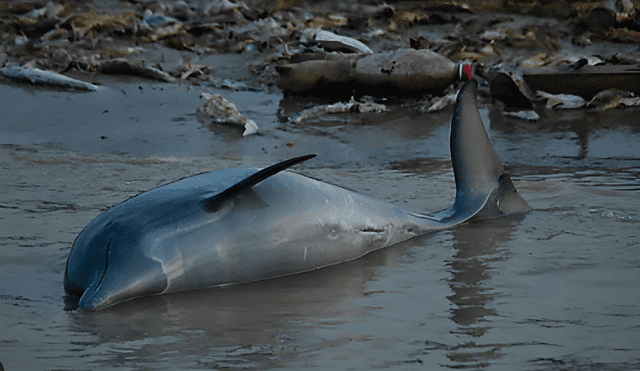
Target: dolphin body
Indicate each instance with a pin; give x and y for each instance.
(246, 224)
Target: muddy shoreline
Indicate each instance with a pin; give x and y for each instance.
(554, 289)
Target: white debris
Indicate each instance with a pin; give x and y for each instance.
(592, 60)
(628, 102)
(20, 40)
(351, 106)
(447, 100)
(157, 21)
(608, 99)
(490, 35)
(376, 32)
(329, 40)
(309, 34)
(270, 29)
(219, 110)
(261, 30)
(250, 128)
(515, 73)
(136, 67)
(562, 101)
(50, 11)
(41, 77)
(222, 6)
(366, 107)
(524, 115)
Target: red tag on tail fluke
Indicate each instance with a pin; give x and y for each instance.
(465, 72)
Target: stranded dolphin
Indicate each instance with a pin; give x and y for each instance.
(245, 224)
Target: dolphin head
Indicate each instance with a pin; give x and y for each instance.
(88, 257)
(136, 248)
(107, 266)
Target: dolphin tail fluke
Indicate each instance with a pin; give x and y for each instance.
(483, 189)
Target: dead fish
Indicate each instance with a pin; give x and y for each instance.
(562, 101)
(608, 99)
(515, 74)
(132, 67)
(524, 115)
(407, 70)
(40, 77)
(219, 110)
(351, 106)
(329, 40)
(442, 103)
(307, 75)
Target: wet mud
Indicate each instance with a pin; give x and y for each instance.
(554, 289)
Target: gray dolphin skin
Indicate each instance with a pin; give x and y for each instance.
(246, 224)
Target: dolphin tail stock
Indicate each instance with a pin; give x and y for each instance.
(483, 189)
(214, 203)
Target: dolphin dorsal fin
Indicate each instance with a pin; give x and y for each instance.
(213, 203)
(483, 189)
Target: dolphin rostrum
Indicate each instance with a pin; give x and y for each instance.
(245, 224)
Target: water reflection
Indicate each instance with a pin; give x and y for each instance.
(478, 245)
(228, 327)
(587, 125)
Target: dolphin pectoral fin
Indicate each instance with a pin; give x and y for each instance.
(213, 203)
(483, 189)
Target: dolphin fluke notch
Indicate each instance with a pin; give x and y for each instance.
(213, 203)
(483, 189)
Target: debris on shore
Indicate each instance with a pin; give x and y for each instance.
(613, 98)
(37, 76)
(219, 110)
(562, 101)
(351, 106)
(330, 41)
(338, 50)
(403, 71)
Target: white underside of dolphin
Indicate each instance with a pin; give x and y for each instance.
(245, 224)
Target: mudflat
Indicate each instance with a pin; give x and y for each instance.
(552, 289)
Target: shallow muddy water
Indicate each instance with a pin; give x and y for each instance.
(556, 288)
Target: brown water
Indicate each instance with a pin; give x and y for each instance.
(556, 288)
